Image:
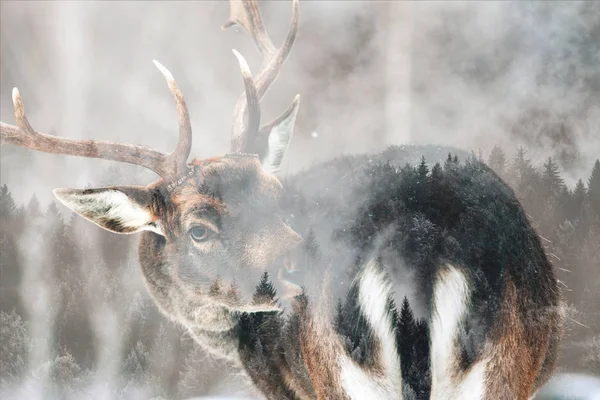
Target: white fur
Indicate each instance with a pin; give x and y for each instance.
(120, 208)
(374, 292)
(451, 301)
(279, 139)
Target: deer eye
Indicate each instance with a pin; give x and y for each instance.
(199, 233)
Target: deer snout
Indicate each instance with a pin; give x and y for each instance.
(271, 242)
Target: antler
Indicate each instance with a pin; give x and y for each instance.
(165, 165)
(247, 14)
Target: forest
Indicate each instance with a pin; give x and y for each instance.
(75, 315)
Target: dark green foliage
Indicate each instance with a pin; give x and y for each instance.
(264, 292)
(568, 219)
(260, 341)
(436, 173)
(451, 162)
(569, 223)
(413, 343)
(418, 373)
(422, 169)
(406, 321)
(412, 338)
(354, 330)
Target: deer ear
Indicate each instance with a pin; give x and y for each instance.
(280, 133)
(123, 209)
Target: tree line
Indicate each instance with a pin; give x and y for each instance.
(73, 307)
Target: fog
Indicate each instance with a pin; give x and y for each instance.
(369, 74)
(470, 75)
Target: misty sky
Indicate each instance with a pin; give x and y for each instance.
(370, 74)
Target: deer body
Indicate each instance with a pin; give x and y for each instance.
(365, 228)
(479, 270)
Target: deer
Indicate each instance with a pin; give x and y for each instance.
(457, 235)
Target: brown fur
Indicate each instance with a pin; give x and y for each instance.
(294, 385)
(320, 350)
(519, 346)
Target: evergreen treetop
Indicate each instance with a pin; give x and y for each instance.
(264, 290)
(7, 204)
(422, 169)
(407, 319)
(551, 179)
(33, 208)
(497, 160)
(594, 180)
(594, 188)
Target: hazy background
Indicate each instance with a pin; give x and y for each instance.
(469, 74)
(370, 74)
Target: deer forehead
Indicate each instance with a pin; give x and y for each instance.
(222, 184)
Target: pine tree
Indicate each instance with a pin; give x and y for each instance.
(436, 172)
(33, 208)
(422, 170)
(407, 319)
(413, 337)
(551, 180)
(265, 292)
(216, 287)
(15, 345)
(419, 374)
(19, 220)
(54, 219)
(10, 271)
(497, 161)
(526, 182)
(233, 292)
(451, 162)
(594, 188)
(406, 330)
(8, 208)
(521, 169)
(578, 199)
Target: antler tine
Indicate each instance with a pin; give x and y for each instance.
(252, 101)
(177, 160)
(165, 165)
(247, 15)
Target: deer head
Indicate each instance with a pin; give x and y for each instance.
(205, 220)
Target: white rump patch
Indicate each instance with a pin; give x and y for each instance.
(109, 205)
(451, 301)
(374, 292)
